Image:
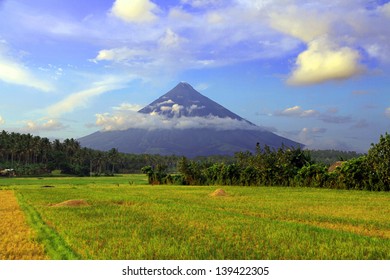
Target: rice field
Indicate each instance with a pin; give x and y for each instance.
(16, 238)
(124, 218)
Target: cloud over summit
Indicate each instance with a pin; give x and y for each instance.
(126, 119)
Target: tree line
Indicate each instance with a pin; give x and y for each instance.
(38, 156)
(35, 155)
(284, 167)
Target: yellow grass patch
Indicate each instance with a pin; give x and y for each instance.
(16, 237)
(71, 203)
(219, 192)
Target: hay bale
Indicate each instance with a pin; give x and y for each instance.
(71, 203)
(335, 165)
(219, 192)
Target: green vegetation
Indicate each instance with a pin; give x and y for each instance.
(55, 247)
(125, 218)
(285, 167)
(35, 156)
(32, 155)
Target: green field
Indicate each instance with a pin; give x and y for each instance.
(124, 218)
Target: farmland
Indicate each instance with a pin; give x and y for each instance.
(17, 239)
(122, 217)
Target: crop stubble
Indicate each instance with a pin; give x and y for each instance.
(17, 239)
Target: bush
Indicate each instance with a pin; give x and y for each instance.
(378, 160)
(313, 175)
(355, 174)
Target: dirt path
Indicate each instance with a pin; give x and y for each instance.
(16, 237)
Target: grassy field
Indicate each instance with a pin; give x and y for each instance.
(124, 218)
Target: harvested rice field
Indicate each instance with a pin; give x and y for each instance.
(17, 239)
(123, 217)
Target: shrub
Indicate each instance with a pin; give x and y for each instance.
(378, 160)
(313, 175)
(355, 174)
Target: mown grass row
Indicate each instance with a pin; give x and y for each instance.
(55, 246)
(125, 221)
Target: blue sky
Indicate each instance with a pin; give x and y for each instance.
(313, 71)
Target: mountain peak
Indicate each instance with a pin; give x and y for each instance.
(184, 84)
(184, 100)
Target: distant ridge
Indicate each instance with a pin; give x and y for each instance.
(184, 103)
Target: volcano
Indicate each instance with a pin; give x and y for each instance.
(184, 100)
(191, 125)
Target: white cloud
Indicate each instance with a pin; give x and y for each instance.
(166, 108)
(128, 107)
(215, 18)
(135, 10)
(387, 112)
(82, 98)
(318, 141)
(14, 72)
(313, 130)
(194, 107)
(38, 126)
(179, 15)
(385, 9)
(176, 108)
(333, 37)
(323, 61)
(120, 54)
(297, 111)
(170, 40)
(306, 25)
(201, 86)
(2, 121)
(206, 33)
(216, 29)
(255, 4)
(185, 40)
(147, 59)
(308, 136)
(122, 120)
(328, 117)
